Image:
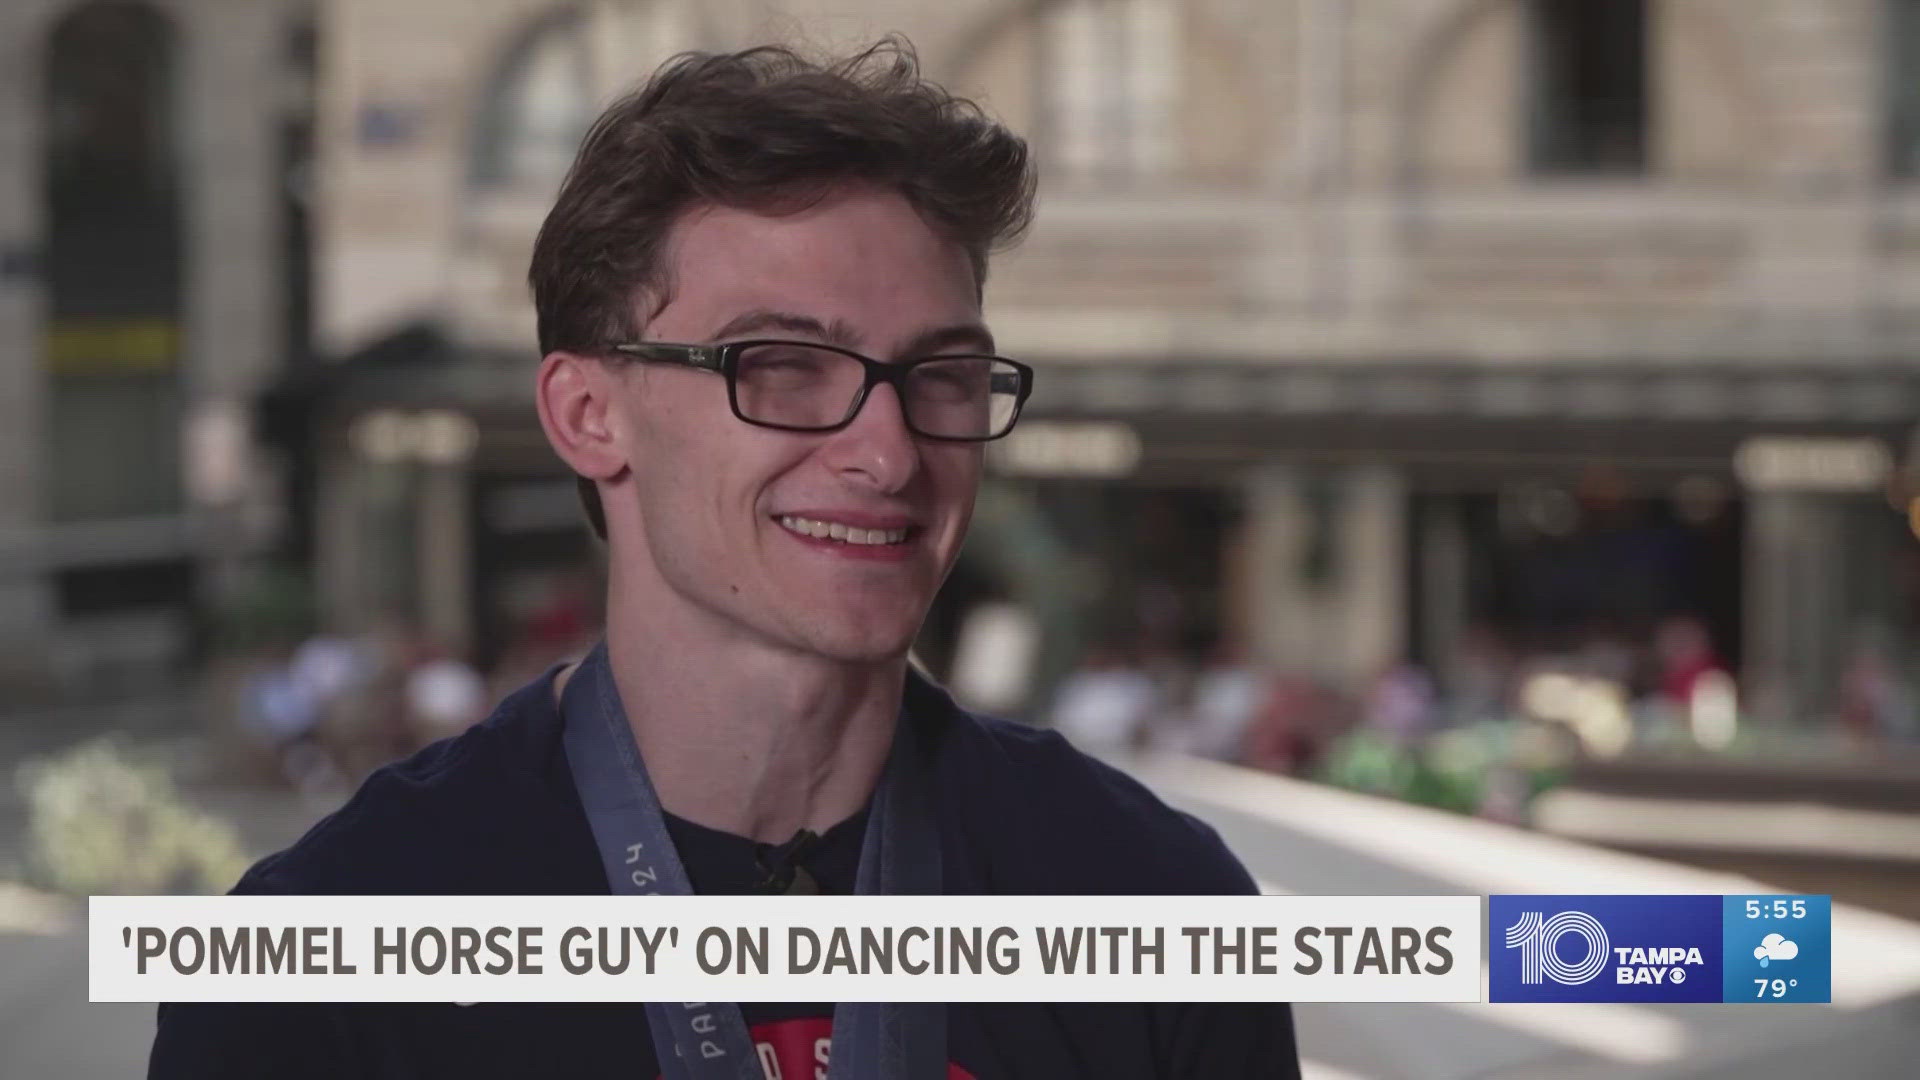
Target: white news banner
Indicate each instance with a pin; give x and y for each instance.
(786, 948)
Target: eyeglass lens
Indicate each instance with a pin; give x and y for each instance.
(801, 386)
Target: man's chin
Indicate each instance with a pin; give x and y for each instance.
(854, 642)
(867, 653)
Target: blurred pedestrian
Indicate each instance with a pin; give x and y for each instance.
(282, 707)
(1299, 718)
(1227, 696)
(1685, 654)
(1107, 702)
(1401, 705)
(444, 696)
(331, 665)
(1874, 705)
(1479, 677)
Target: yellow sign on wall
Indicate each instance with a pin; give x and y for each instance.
(112, 346)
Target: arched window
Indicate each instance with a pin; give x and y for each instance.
(1589, 87)
(537, 108)
(1109, 86)
(1902, 88)
(552, 82)
(112, 342)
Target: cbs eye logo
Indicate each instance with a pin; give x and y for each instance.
(1538, 940)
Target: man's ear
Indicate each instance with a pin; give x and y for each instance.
(575, 396)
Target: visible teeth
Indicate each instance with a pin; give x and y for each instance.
(839, 531)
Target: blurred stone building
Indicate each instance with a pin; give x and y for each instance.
(1366, 330)
(152, 281)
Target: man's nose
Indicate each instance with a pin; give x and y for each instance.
(877, 450)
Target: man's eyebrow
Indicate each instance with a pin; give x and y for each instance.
(965, 336)
(837, 332)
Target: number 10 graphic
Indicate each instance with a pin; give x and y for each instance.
(1537, 939)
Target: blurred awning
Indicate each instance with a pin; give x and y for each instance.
(1694, 391)
(417, 369)
(1455, 421)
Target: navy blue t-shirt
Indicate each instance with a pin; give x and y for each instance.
(495, 811)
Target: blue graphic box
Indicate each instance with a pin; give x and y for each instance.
(1605, 948)
(1778, 948)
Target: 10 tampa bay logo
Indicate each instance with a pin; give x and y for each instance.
(1538, 939)
(1605, 948)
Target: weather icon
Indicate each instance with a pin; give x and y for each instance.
(1775, 947)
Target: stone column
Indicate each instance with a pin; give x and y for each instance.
(444, 556)
(1372, 547)
(26, 596)
(340, 547)
(232, 93)
(1325, 567)
(1441, 548)
(1282, 602)
(1795, 587)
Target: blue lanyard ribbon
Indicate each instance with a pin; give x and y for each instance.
(899, 855)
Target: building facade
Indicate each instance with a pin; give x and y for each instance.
(151, 283)
(1364, 329)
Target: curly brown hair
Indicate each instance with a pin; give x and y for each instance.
(764, 127)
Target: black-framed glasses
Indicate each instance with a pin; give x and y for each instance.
(807, 386)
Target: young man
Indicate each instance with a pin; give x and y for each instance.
(759, 298)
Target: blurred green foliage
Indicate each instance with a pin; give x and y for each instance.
(105, 818)
(1454, 769)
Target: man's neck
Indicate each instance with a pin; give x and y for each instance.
(748, 739)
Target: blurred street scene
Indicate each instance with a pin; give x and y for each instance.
(1507, 407)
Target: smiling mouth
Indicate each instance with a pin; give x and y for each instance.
(843, 533)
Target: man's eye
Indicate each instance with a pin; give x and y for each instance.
(783, 362)
(950, 379)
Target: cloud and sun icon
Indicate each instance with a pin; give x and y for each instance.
(1775, 947)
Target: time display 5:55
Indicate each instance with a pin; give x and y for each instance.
(1778, 908)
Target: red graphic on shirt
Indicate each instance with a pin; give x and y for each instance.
(797, 1049)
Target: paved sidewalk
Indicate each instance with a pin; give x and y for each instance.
(1307, 838)
(48, 1028)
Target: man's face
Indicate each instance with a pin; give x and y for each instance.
(726, 508)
